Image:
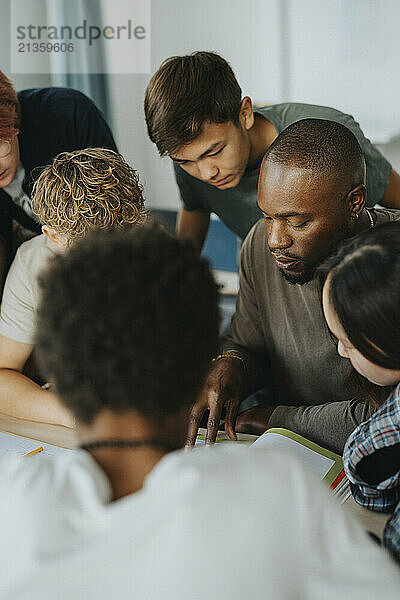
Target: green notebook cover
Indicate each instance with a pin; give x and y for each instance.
(336, 467)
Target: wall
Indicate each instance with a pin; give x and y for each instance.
(346, 54)
(343, 53)
(21, 81)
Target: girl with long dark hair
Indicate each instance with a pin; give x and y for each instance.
(361, 301)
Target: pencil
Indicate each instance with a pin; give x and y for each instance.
(40, 449)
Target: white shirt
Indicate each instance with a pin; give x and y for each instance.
(221, 523)
(21, 291)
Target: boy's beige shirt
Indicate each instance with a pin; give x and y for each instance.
(21, 290)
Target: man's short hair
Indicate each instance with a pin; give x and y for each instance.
(10, 109)
(128, 320)
(88, 189)
(329, 149)
(186, 92)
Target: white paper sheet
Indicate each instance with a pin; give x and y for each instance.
(319, 464)
(21, 445)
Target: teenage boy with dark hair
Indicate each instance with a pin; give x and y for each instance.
(129, 514)
(196, 114)
(311, 195)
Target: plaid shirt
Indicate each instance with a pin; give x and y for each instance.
(379, 433)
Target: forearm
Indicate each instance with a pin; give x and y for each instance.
(22, 398)
(245, 337)
(371, 458)
(378, 500)
(256, 376)
(326, 424)
(391, 197)
(193, 226)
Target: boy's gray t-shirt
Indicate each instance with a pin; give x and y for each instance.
(237, 207)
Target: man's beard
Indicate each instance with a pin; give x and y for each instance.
(300, 278)
(309, 269)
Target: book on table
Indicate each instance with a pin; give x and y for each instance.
(326, 465)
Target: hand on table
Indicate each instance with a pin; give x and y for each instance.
(254, 420)
(224, 387)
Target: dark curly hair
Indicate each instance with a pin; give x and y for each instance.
(128, 320)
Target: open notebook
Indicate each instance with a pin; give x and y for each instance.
(326, 465)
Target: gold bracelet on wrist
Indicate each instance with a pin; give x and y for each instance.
(231, 354)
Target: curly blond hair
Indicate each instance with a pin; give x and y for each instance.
(88, 189)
